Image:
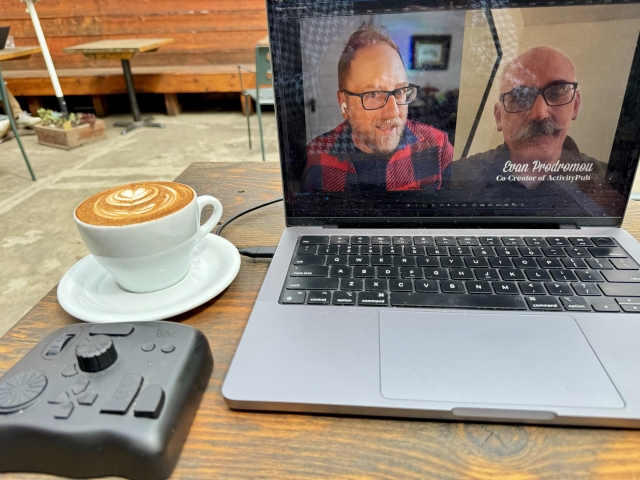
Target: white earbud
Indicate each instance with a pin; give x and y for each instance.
(343, 107)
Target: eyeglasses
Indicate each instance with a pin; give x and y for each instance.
(379, 98)
(521, 99)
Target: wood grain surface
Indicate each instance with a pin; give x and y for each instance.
(18, 52)
(231, 444)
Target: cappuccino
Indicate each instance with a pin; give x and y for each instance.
(134, 203)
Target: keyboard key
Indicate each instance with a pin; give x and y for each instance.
(530, 251)
(400, 285)
(603, 241)
(570, 262)
(497, 262)
(370, 250)
(586, 289)
(554, 252)
(377, 240)
(607, 252)
(374, 299)
(326, 249)
(483, 251)
(360, 240)
(307, 249)
(317, 297)
(604, 304)
(374, 284)
(443, 300)
(558, 242)
(581, 242)
(402, 241)
(364, 272)
(631, 308)
(511, 274)
(295, 297)
(351, 284)
(535, 241)
(467, 241)
(358, 259)
(451, 286)
(349, 249)
(575, 304)
(549, 263)
(538, 274)
(558, 288)
(311, 284)
(589, 276)
(308, 260)
(507, 252)
(428, 262)
(452, 262)
(532, 288)
(486, 274)
(564, 275)
(388, 272)
(337, 260)
(309, 271)
(525, 263)
(404, 261)
(620, 289)
(344, 298)
(478, 287)
(505, 288)
(426, 241)
(628, 301)
(382, 260)
(314, 240)
(490, 241)
(512, 241)
(624, 264)
(446, 241)
(392, 250)
(339, 271)
(476, 262)
(339, 240)
(600, 263)
(437, 251)
(459, 251)
(413, 251)
(578, 252)
(426, 286)
(435, 273)
(622, 276)
(461, 274)
(542, 302)
(410, 272)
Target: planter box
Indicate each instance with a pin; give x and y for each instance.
(68, 139)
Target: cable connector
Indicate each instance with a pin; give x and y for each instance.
(258, 252)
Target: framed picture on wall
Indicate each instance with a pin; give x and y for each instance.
(430, 52)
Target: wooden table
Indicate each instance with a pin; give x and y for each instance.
(231, 444)
(124, 50)
(12, 54)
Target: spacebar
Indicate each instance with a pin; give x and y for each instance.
(442, 300)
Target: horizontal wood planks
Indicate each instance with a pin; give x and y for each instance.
(206, 32)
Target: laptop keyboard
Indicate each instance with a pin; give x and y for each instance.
(499, 273)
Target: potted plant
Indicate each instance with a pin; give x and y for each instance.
(78, 129)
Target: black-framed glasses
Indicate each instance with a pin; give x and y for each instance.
(521, 99)
(379, 98)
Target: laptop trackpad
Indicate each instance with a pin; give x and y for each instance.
(497, 358)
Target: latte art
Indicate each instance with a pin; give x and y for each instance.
(134, 203)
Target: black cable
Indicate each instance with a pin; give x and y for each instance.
(253, 252)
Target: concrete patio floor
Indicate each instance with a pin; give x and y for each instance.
(38, 238)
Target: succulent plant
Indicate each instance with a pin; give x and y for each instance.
(56, 119)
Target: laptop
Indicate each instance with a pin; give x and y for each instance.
(455, 177)
(4, 34)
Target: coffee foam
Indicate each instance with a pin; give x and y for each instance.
(134, 203)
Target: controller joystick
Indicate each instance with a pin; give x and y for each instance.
(96, 353)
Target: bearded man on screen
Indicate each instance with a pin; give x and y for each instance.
(376, 148)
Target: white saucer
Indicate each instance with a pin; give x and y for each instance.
(89, 293)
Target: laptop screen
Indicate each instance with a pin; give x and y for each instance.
(447, 109)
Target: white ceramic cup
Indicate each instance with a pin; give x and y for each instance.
(150, 256)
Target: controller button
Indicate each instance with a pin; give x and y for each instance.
(18, 391)
(58, 397)
(58, 345)
(70, 371)
(150, 402)
(147, 347)
(63, 411)
(80, 387)
(88, 398)
(124, 395)
(112, 329)
(95, 354)
(168, 348)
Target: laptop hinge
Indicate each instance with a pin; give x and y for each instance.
(569, 226)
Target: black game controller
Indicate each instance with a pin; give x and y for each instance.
(92, 400)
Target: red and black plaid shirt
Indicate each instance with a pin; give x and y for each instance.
(422, 160)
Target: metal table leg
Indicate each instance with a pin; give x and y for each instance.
(7, 109)
(137, 119)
